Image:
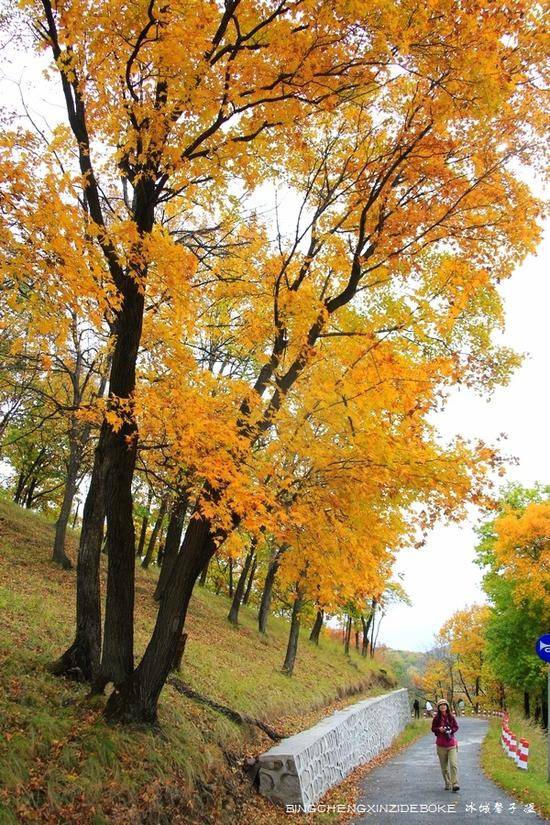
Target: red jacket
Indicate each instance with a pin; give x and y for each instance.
(442, 739)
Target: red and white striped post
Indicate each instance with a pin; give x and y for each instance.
(523, 755)
(508, 740)
(513, 746)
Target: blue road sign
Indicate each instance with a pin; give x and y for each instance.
(542, 647)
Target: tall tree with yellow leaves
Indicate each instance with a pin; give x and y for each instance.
(163, 103)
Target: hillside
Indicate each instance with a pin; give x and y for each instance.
(59, 762)
(407, 666)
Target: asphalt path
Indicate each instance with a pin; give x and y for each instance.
(409, 789)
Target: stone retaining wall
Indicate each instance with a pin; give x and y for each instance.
(300, 769)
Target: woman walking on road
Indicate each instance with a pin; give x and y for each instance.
(444, 726)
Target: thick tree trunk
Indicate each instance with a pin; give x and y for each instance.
(317, 626)
(172, 543)
(233, 614)
(154, 533)
(267, 592)
(59, 555)
(117, 660)
(292, 647)
(144, 523)
(247, 592)
(135, 700)
(81, 660)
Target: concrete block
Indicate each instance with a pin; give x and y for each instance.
(300, 769)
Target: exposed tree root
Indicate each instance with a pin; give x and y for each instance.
(234, 715)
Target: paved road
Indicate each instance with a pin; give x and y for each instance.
(413, 778)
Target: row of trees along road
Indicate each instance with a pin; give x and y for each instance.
(486, 653)
(271, 372)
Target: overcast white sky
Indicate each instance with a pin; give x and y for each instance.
(520, 410)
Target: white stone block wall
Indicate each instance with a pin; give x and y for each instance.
(300, 769)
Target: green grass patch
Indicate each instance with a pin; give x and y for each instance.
(414, 730)
(527, 786)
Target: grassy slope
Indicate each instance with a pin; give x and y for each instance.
(60, 763)
(527, 786)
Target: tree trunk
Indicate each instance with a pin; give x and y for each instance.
(30, 492)
(366, 623)
(317, 625)
(161, 543)
(136, 699)
(22, 496)
(172, 543)
(230, 578)
(144, 523)
(347, 636)
(248, 590)
(233, 614)
(20, 487)
(267, 592)
(357, 640)
(120, 448)
(477, 694)
(465, 688)
(292, 647)
(374, 639)
(81, 660)
(372, 627)
(160, 552)
(59, 555)
(526, 704)
(154, 534)
(75, 516)
(544, 708)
